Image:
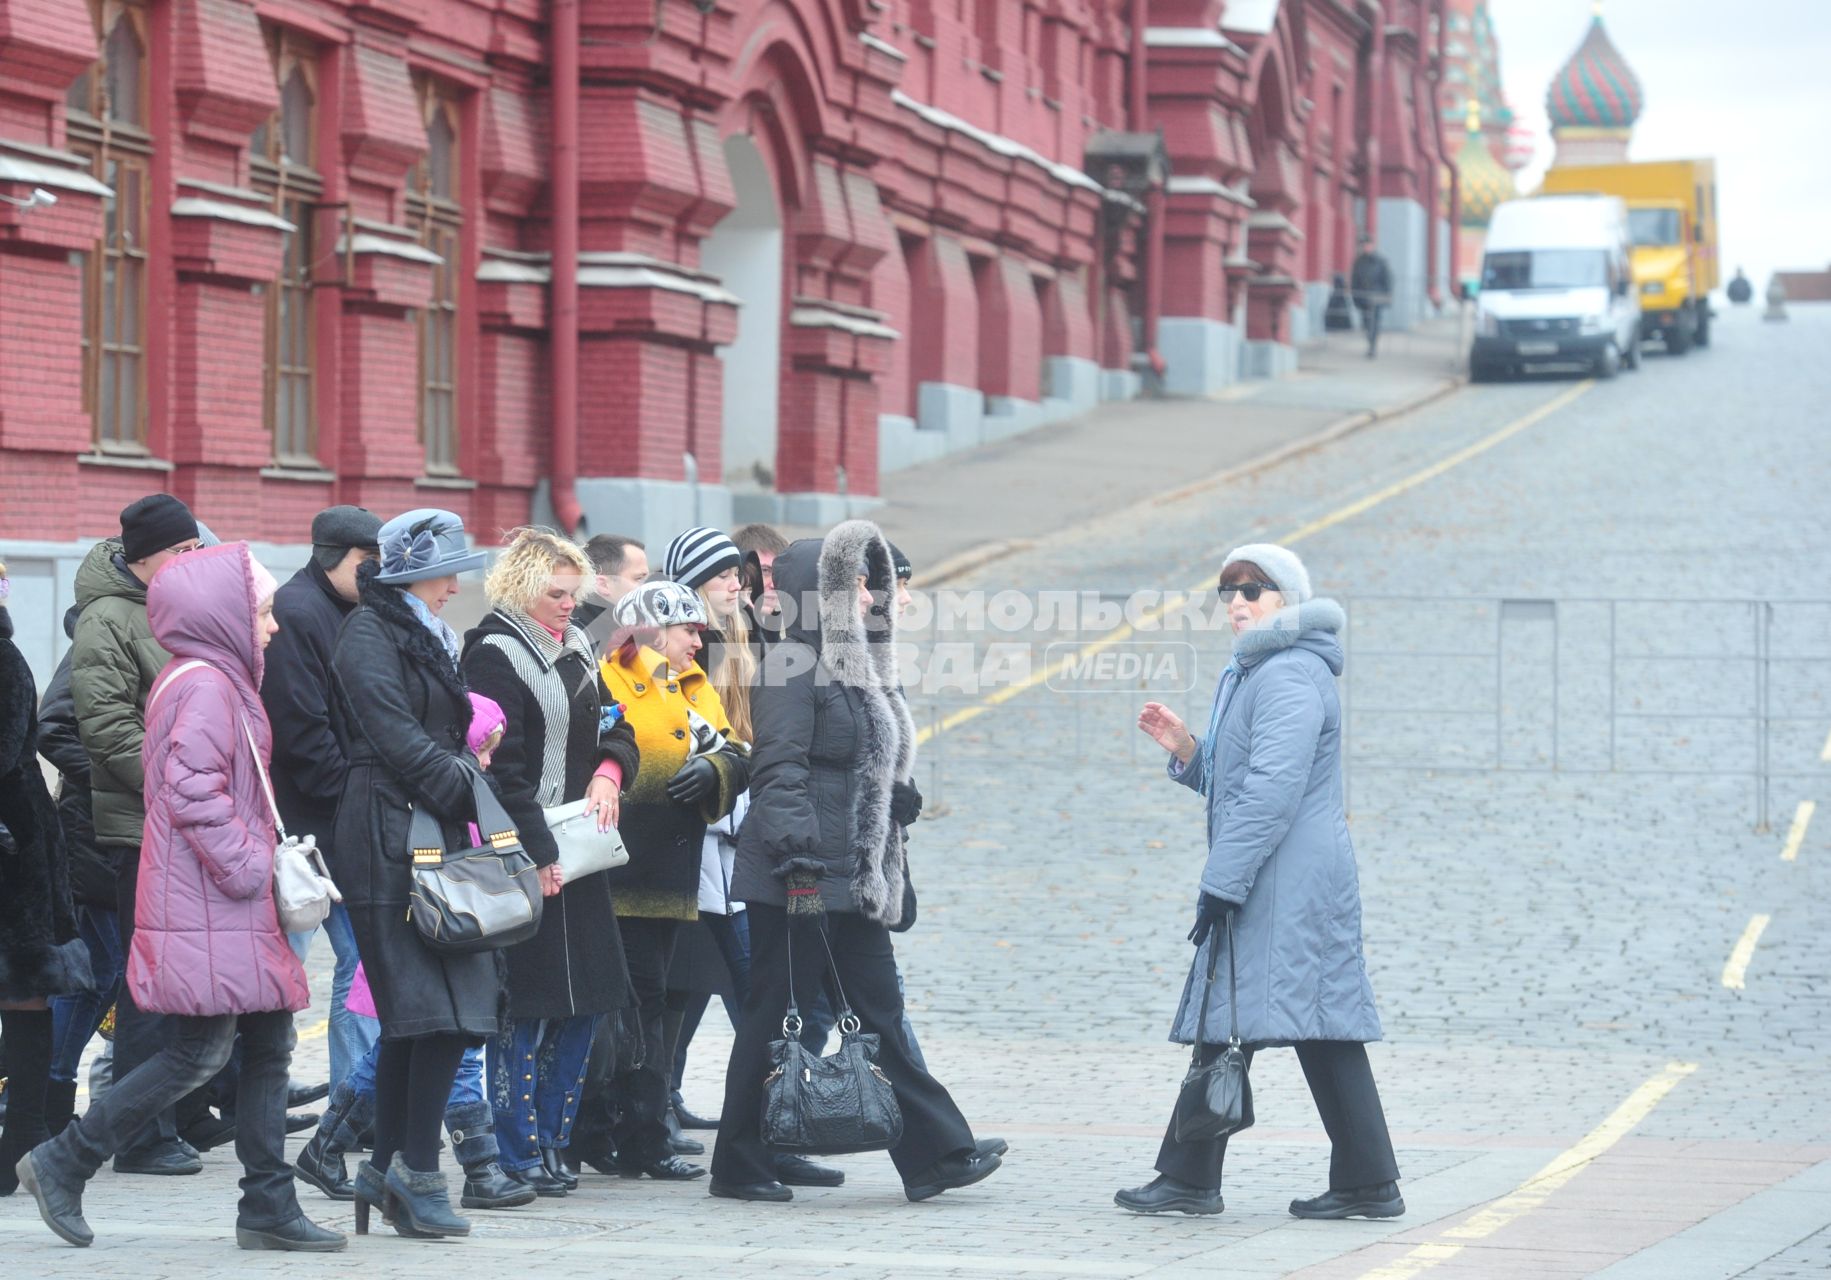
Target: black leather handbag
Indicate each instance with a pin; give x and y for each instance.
(472, 899)
(836, 1105)
(1212, 1102)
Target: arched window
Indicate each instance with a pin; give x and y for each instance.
(281, 163)
(106, 112)
(435, 210)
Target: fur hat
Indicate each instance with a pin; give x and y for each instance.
(1281, 565)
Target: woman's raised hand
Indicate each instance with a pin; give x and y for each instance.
(1167, 730)
(603, 799)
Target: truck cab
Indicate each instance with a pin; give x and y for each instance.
(1557, 287)
(1669, 305)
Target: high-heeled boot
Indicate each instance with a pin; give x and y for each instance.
(473, 1144)
(422, 1200)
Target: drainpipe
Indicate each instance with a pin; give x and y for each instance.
(1153, 199)
(1370, 145)
(564, 297)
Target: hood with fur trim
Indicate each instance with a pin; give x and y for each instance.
(1313, 625)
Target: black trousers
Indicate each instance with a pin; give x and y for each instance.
(933, 1127)
(641, 1131)
(1341, 1082)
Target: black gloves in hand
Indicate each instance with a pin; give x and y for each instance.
(697, 779)
(905, 804)
(1211, 912)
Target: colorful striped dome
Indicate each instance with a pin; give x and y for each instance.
(1596, 89)
(1484, 183)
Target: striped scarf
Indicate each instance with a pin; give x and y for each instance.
(536, 669)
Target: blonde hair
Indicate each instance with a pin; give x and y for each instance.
(527, 565)
(737, 669)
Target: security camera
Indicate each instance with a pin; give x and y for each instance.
(39, 196)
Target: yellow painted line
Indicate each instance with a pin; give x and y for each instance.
(1736, 970)
(1540, 1186)
(1361, 505)
(1825, 755)
(316, 1031)
(1796, 834)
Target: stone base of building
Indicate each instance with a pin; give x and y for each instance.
(1267, 359)
(816, 510)
(952, 418)
(1309, 316)
(1201, 356)
(1405, 239)
(650, 510)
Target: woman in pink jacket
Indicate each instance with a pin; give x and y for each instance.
(207, 946)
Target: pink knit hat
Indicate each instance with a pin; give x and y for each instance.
(486, 719)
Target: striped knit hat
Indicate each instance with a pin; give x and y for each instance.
(700, 555)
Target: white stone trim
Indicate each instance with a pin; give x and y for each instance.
(648, 277)
(222, 211)
(19, 169)
(882, 46)
(508, 271)
(1064, 173)
(1269, 219)
(1189, 38)
(1202, 185)
(826, 318)
(389, 247)
(1254, 17)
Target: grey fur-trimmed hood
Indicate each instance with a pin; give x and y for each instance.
(859, 651)
(1314, 624)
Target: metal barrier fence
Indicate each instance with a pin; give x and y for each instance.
(1735, 689)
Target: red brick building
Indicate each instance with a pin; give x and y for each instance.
(651, 261)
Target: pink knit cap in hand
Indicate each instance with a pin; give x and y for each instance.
(486, 719)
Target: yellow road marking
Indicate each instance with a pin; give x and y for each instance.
(1361, 505)
(1540, 1186)
(1796, 835)
(1825, 755)
(1736, 970)
(316, 1031)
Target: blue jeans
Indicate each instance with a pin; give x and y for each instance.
(467, 1088)
(74, 1019)
(351, 1034)
(537, 1072)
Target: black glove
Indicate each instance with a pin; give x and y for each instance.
(905, 804)
(697, 779)
(1211, 912)
(8, 845)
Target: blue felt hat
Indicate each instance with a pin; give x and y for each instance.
(425, 543)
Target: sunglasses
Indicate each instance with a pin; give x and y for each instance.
(1251, 590)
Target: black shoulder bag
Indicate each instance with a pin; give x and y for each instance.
(835, 1105)
(1212, 1103)
(472, 899)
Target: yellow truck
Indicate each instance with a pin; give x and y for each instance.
(1672, 218)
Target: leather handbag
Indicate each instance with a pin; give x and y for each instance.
(472, 899)
(303, 890)
(1213, 1100)
(836, 1105)
(583, 849)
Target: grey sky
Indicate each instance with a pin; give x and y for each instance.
(1748, 82)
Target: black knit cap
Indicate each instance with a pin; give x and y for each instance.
(151, 524)
(904, 570)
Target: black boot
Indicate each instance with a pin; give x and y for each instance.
(473, 1145)
(28, 1058)
(55, 1175)
(557, 1170)
(320, 1164)
(422, 1201)
(60, 1105)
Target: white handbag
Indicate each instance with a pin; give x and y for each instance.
(302, 887)
(583, 849)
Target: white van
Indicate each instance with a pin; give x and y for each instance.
(1556, 287)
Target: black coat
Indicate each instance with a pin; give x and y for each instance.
(309, 766)
(40, 954)
(574, 965)
(91, 869)
(401, 714)
(833, 735)
(1370, 281)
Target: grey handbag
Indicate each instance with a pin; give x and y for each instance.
(473, 899)
(583, 849)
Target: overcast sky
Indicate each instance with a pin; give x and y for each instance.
(1748, 83)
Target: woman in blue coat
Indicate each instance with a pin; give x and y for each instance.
(1280, 872)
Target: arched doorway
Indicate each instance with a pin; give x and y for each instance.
(745, 252)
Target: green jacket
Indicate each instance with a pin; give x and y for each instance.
(113, 662)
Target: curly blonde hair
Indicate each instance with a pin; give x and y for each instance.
(527, 564)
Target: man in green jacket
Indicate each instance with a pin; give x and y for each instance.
(113, 662)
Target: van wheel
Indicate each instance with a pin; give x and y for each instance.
(1678, 338)
(1703, 328)
(1609, 363)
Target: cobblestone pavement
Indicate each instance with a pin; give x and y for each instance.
(1543, 944)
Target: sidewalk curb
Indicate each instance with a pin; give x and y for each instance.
(989, 553)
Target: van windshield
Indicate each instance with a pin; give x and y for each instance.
(1545, 269)
(1655, 226)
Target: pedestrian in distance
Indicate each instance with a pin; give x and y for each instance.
(207, 949)
(401, 713)
(822, 852)
(529, 657)
(1370, 281)
(41, 953)
(309, 767)
(1279, 893)
(691, 774)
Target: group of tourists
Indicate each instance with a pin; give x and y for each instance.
(733, 714)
